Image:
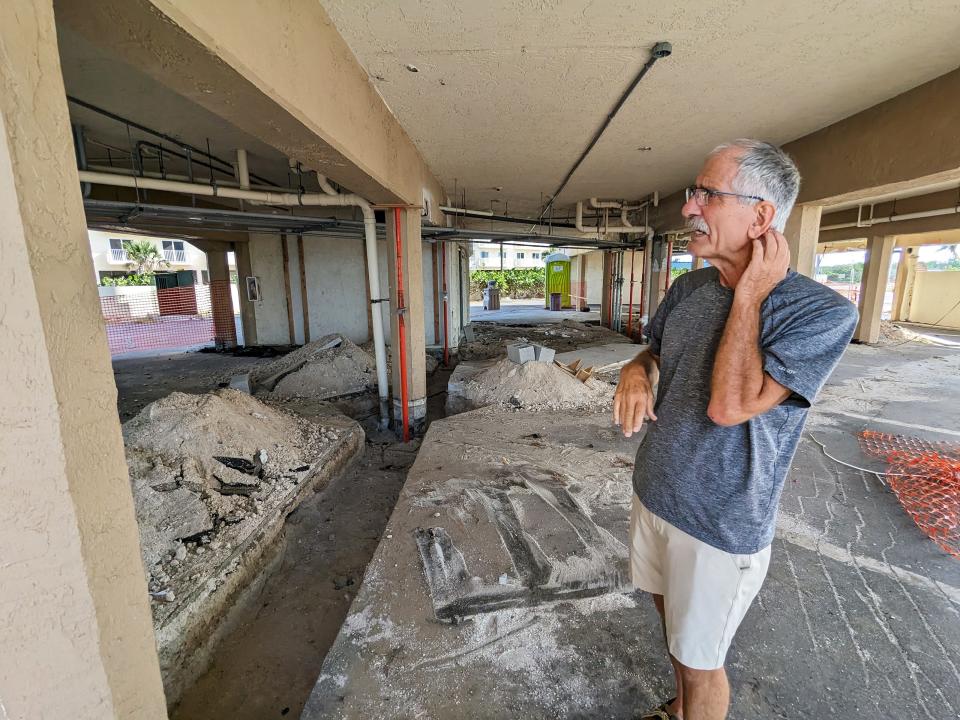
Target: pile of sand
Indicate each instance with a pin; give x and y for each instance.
(534, 385)
(329, 367)
(200, 462)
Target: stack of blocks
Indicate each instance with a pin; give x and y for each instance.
(522, 353)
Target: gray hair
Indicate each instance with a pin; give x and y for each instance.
(766, 171)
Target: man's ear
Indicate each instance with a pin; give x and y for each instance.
(762, 220)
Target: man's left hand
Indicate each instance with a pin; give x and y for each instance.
(768, 266)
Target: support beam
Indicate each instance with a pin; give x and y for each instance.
(697, 263)
(287, 294)
(903, 288)
(75, 624)
(656, 276)
(221, 300)
(606, 293)
(873, 286)
(802, 233)
(411, 265)
(248, 313)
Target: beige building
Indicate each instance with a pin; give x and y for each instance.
(110, 259)
(319, 142)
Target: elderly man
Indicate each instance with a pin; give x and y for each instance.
(741, 349)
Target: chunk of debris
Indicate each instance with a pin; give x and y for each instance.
(329, 367)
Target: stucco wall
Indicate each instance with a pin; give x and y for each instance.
(271, 309)
(75, 629)
(936, 298)
(336, 282)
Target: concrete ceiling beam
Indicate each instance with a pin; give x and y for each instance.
(304, 94)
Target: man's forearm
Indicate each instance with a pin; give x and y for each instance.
(737, 379)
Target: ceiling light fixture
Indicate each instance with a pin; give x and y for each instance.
(413, 68)
(644, 148)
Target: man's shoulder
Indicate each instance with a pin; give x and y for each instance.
(804, 297)
(690, 281)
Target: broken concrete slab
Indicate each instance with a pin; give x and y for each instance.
(602, 357)
(327, 368)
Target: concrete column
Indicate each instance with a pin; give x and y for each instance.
(605, 293)
(657, 274)
(248, 313)
(802, 232)
(221, 300)
(411, 258)
(873, 286)
(75, 623)
(697, 263)
(903, 288)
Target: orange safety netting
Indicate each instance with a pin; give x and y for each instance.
(926, 479)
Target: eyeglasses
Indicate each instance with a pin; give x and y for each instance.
(702, 196)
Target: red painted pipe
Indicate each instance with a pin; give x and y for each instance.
(633, 254)
(401, 327)
(446, 342)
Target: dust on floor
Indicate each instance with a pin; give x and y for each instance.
(491, 339)
(140, 381)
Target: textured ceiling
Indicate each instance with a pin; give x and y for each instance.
(509, 92)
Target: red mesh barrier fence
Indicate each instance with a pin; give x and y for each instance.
(925, 476)
(144, 318)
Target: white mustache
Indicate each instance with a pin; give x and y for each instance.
(697, 224)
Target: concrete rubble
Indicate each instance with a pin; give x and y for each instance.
(326, 368)
(490, 339)
(532, 386)
(213, 478)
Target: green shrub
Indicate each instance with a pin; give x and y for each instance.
(128, 280)
(514, 283)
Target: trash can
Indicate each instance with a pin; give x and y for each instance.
(556, 301)
(491, 296)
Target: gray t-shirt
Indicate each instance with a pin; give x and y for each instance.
(722, 484)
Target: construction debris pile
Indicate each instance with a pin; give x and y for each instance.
(532, 386)
(326, 368)
(202, 464)
(489, 340)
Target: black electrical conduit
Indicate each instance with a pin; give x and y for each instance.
(660, 50)
(163, 136)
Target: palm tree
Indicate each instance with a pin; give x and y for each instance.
(144, 255)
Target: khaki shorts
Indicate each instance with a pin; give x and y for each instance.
(706, 591)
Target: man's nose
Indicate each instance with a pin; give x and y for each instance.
(690, 208)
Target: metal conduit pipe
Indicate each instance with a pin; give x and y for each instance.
(291, 199)
(894, 218)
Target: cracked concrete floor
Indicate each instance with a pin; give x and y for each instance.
(859, 616)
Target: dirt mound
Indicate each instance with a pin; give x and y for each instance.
(329, 367)
(491, 339)
(199, 462)
(534, 385)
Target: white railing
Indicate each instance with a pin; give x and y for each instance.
(175, 256)
(118, 255)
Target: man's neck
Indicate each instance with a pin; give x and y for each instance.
(731, 268)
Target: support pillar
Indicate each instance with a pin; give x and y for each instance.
(411, 264)
(606, 292)
(873, 286)
(697, 263)
(75, 625)
(903, 288)
(221, 301)
(248, 313)
(658, 271)
(802, 232)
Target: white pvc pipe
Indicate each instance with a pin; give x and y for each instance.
(243, 170)
(894, 218)
(282, 198)
(613, 229)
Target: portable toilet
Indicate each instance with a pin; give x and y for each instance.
(558, 278)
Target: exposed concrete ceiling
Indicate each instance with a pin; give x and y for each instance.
(92, 74)
(508, 92)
